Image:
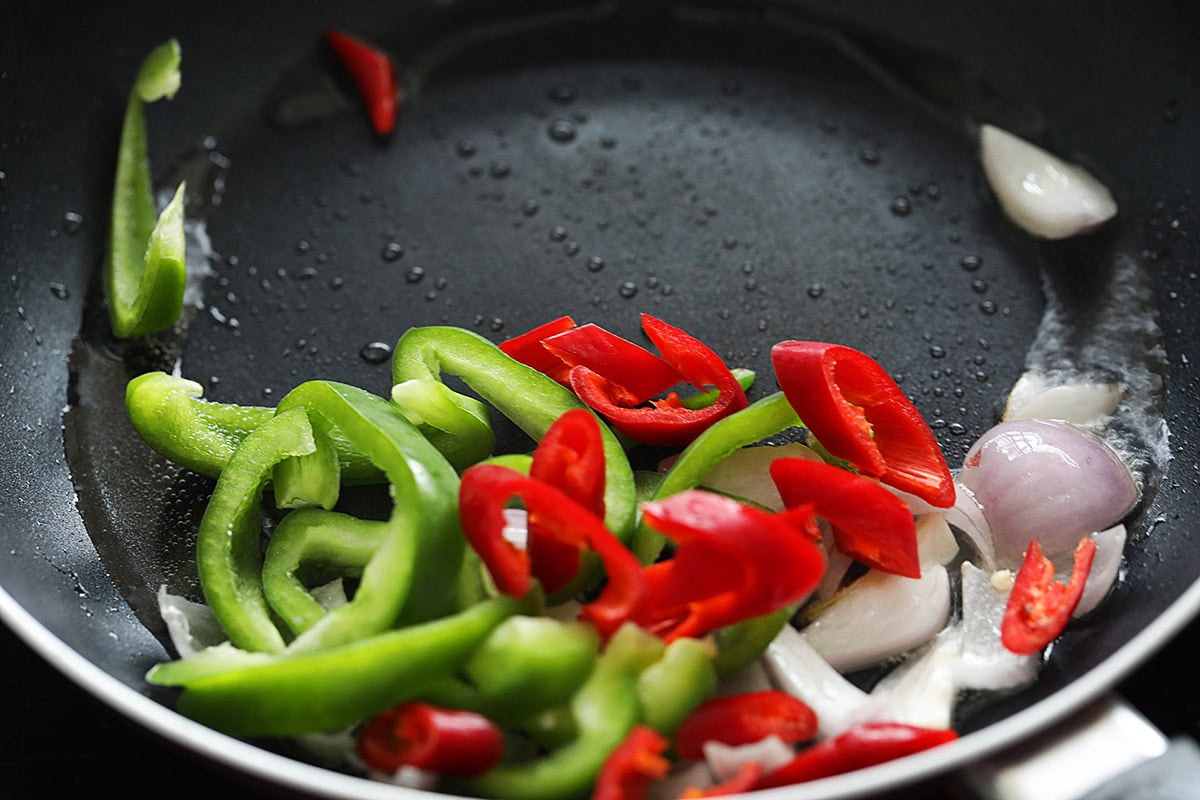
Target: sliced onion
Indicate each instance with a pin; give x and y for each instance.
(986, 663)
(967, 517)
(1044, 195)
(925, 688)
(1034, 396)
(799, 670)
(1106, 564)
(880, 616)
(745, 474)
(516, 527)
(724, 760)
(191, 625)
(1046, 480)
(935, 541)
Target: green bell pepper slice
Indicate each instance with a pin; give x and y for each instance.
(145, 267)
(672, 687)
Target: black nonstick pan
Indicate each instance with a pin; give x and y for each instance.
(748, 171)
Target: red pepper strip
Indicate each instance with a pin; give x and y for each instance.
(863, 745)
(633, 766)
(666, 422)
(869, 523)
(1040, 607)
(640, 373)
(527, 348)
(739, 719)
(744, 780)
(571, 457)
(483, 494)
(857, 412)
(374, 75)
(733, 562)
(427, 737)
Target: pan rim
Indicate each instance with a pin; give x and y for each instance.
(281, 771)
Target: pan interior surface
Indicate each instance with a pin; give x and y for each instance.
(742, 181)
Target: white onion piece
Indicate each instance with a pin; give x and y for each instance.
(1046, 196)
(693, 774)
(1110, 544)
(409, 778)
(745, 473)
(191, 626)
(799, 670)
(924, 689)
(724, 760)
(516, 527)
(1046, 480)
(986, 663)
(880, 616)
(935, 541)
(966, 515)
(1034, 396)
(837, 564)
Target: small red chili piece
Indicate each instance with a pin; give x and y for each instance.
(374, 76)
(633, 766)
(527, 348)
(424, 736)
(743, 719)
(1040, 607)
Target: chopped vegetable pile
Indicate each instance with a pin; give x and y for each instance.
(556, 624)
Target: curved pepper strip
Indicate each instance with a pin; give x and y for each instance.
(1040, 607)
(857, 412)
(740, 719)
(671, 688)
(667, 421)
(632, 767)
(228, 557)
(294, 694)
(605, 710)
(869, 522)
(765, 418)
(336, 542)
(524, 395)
(424, 736)
(415, 568)
(484, 494)
(170, 414)
(145, 272)
(733, 562)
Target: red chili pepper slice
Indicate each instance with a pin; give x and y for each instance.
(863, 745)
(483, 494)
(869, 522)
(858, 412)
(420, 735)
(739, 719)
(633, 766)
(374, 76)
(665, 422)
(571, 457)
(527, 348)
(637, 371)
(1040, 607)
(732, 562)
(744, 780)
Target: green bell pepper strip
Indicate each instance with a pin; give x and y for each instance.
(228, 557)
(170, 414)
(412, 575)
(740, 644)
(145, 267)
(525, 667)
(606, 709)
(762, 419)
(678, 682)
(527, 397)
(458, 425)
(294, 694)
(334, 542)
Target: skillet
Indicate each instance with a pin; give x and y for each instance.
(734, 180)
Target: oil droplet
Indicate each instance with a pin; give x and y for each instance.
(571, 248)
(72, 221)
(627, 289)
(375, 352)
(59, 290)
(815, 291)
(957, 428)
(500, 169)
(465, 148)
(979, 286)
(595, 264)
(414, 275)
(608, 142)
(558, 233)
(392, 251)
(869, 156)
(496, 324)
(530, 207)
(901, 206)
(937, 351)
(563, 93)
(970, 263)
(562, 131)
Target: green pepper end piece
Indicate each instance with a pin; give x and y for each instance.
(457, 425)
(744, 377)
(764, 418)
(739, 645)
(169, 414)
(292, 694)
(671, 688)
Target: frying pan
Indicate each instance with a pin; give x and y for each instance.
(748, 171)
